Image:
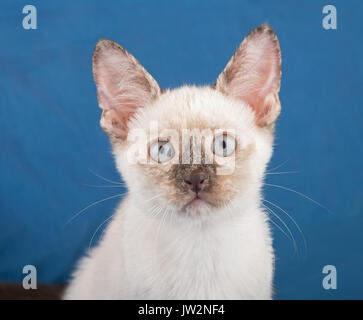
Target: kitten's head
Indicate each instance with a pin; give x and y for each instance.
(192, 149)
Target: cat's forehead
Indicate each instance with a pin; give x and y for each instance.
(197, 108)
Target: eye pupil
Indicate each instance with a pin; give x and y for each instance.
(161, 148)
(224, 145)
(161, 151)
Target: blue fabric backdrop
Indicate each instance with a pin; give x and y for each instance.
(52, 147)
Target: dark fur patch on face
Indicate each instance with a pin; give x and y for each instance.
(179, 172)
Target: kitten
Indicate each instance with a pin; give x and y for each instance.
(187, 229)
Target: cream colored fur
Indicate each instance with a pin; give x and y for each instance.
(226, 254)
(152, 249)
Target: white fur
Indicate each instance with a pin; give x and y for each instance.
(225, 253)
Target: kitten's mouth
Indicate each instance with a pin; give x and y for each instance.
(197, 203)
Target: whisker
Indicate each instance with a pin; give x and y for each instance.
(165, 213)
(285, 225)
(278, 166)
(283, 172)
(155, 197)
(103, 178)
(230, 211)
(171, 217)
(300, 194)
(293, 220)
(155, 211)
(278, 227)
(93, 204)
(101, 186)
(98, 228)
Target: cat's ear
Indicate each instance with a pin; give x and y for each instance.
(253, 74)
(123, 86)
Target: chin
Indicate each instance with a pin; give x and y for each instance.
(197, 207)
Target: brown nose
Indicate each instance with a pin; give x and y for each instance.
(195, 180)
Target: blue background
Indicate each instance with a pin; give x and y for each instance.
(52, 147)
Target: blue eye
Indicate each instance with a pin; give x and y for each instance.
(224, 145)
(161, 151)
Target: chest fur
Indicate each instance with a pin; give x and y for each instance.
(232, 259)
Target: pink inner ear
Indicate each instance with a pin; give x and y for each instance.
(253, 75)
(122, 84)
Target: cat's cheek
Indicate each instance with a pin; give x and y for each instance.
(156, 177)
(223, 191)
